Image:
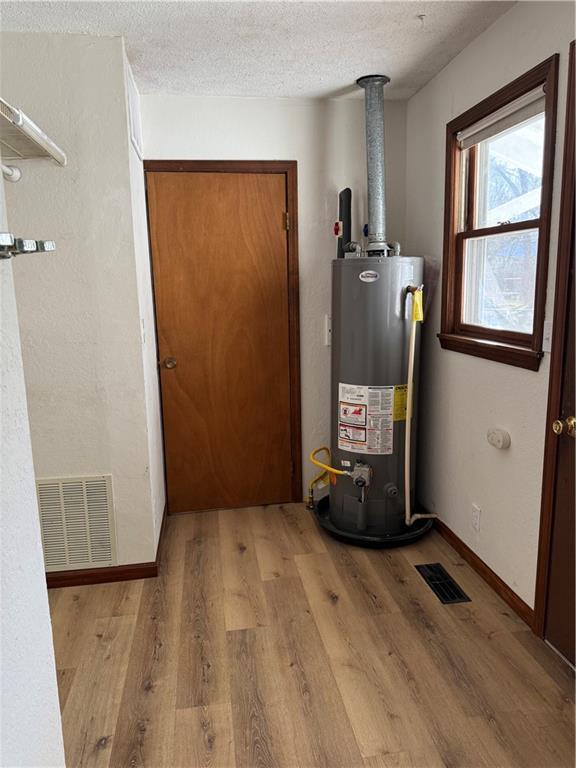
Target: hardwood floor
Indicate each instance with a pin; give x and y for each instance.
(263, 643)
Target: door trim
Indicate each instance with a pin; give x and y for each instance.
(560, 319)
(290, 170)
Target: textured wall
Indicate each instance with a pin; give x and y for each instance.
(327, 140)
(82, 322)
(461, 395)
(148, 338)
(30, 729)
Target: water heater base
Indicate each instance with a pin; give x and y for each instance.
(415, 531)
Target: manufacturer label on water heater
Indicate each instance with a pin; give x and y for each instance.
(369, 276)
(366, 419)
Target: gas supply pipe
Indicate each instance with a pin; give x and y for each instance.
(327, 473)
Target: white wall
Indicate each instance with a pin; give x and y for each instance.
(461, 395)
(88, 376)
(148, 336)
(327, 140)
(30, 727)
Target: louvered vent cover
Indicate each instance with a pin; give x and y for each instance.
(77, 522)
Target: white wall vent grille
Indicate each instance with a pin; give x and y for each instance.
(77, 522)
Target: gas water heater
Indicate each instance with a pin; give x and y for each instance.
(376, 314)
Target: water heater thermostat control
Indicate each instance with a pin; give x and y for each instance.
(361, 474)
(499, 438)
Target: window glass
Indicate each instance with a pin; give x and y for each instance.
(500, 279)
(509, 184)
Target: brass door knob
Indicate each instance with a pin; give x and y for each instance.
(170, 362)
(568, 426)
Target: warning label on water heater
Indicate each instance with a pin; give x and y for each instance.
(366, 419)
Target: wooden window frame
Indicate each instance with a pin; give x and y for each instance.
(510, 347)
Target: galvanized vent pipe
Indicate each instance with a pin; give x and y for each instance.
(374, 104)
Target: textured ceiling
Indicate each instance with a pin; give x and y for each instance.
(267, 49)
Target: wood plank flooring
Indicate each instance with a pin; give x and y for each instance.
(264, 643)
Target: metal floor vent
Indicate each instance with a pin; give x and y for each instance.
(442, 584)
(77, 522)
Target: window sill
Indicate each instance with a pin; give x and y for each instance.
(491, 350)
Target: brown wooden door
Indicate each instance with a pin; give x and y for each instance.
(221, 281)
(559, 630)
(554, 603)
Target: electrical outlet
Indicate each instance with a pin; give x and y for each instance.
(547, 336)
(327, 330)
(476, 514)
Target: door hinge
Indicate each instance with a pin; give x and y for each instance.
(292, 467)
(286, 220)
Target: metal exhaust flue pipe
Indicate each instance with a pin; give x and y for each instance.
(374, 105)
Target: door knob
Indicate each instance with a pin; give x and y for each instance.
(568, 426)
(170, 362)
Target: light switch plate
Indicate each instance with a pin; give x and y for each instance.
(327, 330)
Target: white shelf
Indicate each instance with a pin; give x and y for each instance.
(22, 139)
